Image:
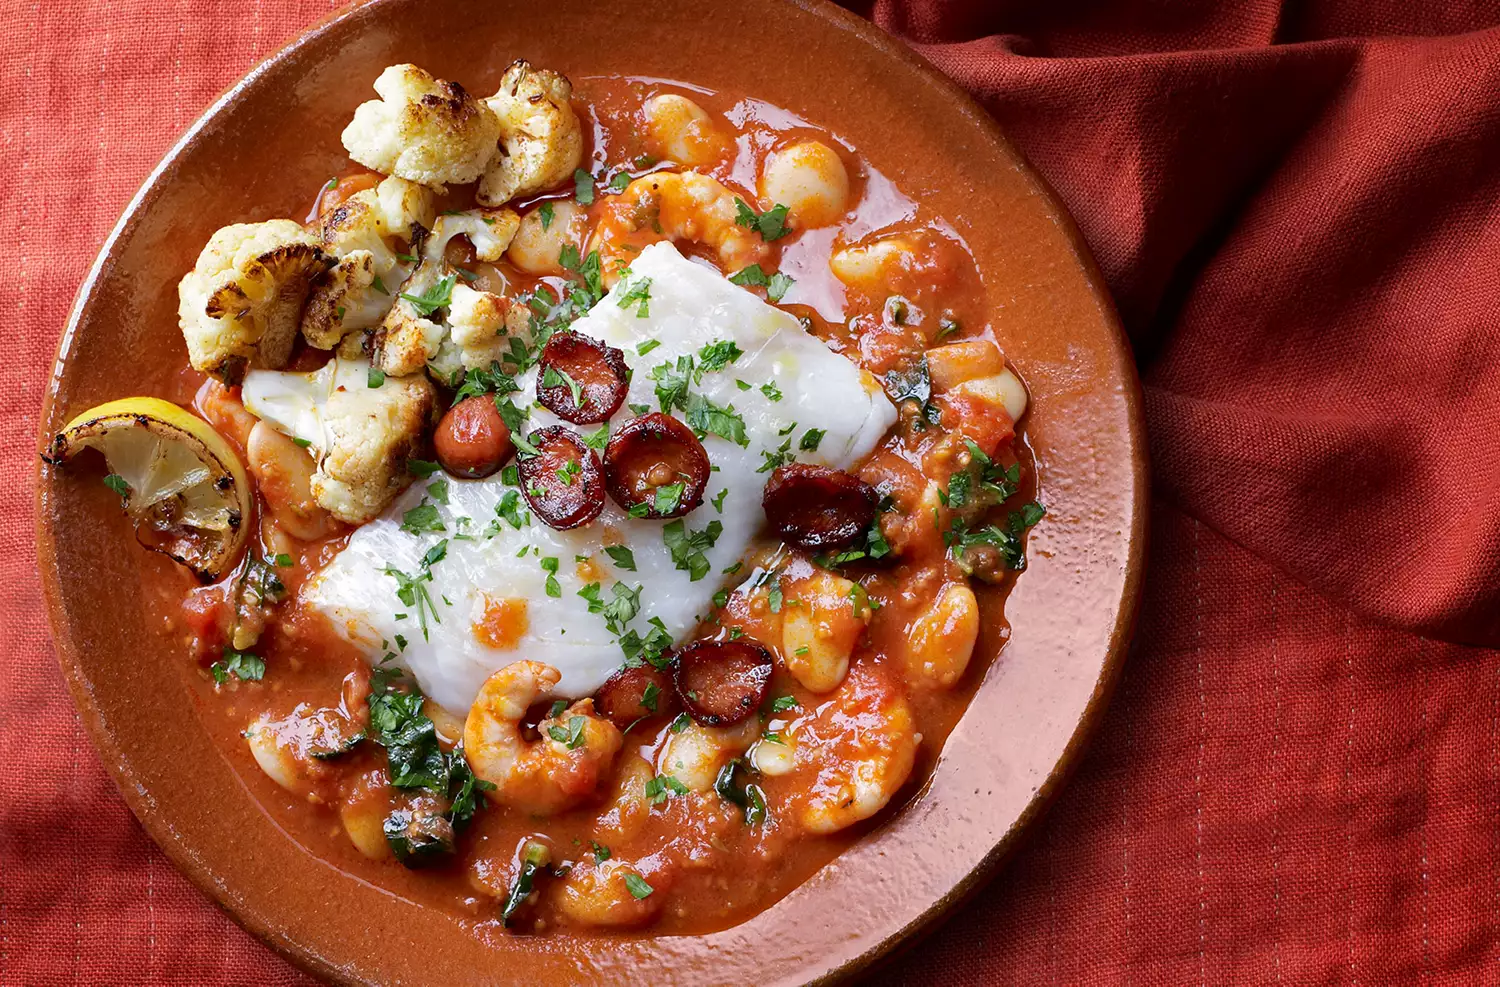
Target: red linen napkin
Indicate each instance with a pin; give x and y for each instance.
(1296, 208)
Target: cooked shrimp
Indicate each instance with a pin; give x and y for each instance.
(682, 131)
(819, 632)
(851, 754)
(810, 180)
(695, 755)
(674, 206)
(561, 767)
(601, 894)
(541, 140)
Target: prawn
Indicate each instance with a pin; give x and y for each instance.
(674, 206)
(850, 756)
(559, 769)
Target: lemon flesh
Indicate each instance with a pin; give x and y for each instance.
(186, 489)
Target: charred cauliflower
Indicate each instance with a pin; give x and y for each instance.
(241, 303)
(424, 129)
(480, 325)
(360, 436)
(541, 140)
(359, 291)
(420, 329)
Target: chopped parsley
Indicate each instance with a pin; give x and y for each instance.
(424, 517)
(421, 467)
(638, 887)
(1006, 540)
(583, 187)
(770, 390)
(552, 586)
(412, 590)
(771, 224)
(717, 355)
(618, 611)
(570, 735)
(662, 787)
(783, 703)
(811, 439)
(598, 439)
(438, 491)
(438, 296)
(688, 547)
(637, 292)
(718, 500)
(620, 181)
(480, 381)
(622, 556)
(668, 498)
(754, 276)
(601, 852)
(117, 483)
(647, 347)
(375, 378)
(545, 212)
(706, 417)
(238, 664)
(509, 509)
(302, 443)
(560, 378)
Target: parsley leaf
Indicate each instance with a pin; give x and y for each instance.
(375, 378)
(583, 187)
(436, 297)
(552, 586)
(636, 292)
(688, 548)
(811, 439)
(480, 381)
(622, 556)
(717, 355)
(771, 224)
(239, 664)
(638, 887)
(545, 212)
(117, 483)
(423, 518)
(705, 416)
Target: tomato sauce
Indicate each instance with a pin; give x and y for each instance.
(709, 859)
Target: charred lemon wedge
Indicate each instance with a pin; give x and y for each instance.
(180, 482)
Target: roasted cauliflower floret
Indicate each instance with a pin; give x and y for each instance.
(413, 330)
(424, 129)
(241, 303)
(541, 140)
(359, 436)
(480, 325)
(370, 433)
(488, 230)
(434, 309)
(359, 292)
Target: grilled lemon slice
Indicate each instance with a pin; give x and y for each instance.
(181, 483)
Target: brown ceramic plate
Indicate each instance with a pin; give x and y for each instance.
(255, 154)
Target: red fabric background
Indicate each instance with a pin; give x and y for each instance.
(1295, 205)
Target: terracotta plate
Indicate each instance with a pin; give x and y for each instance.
(273, 137)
